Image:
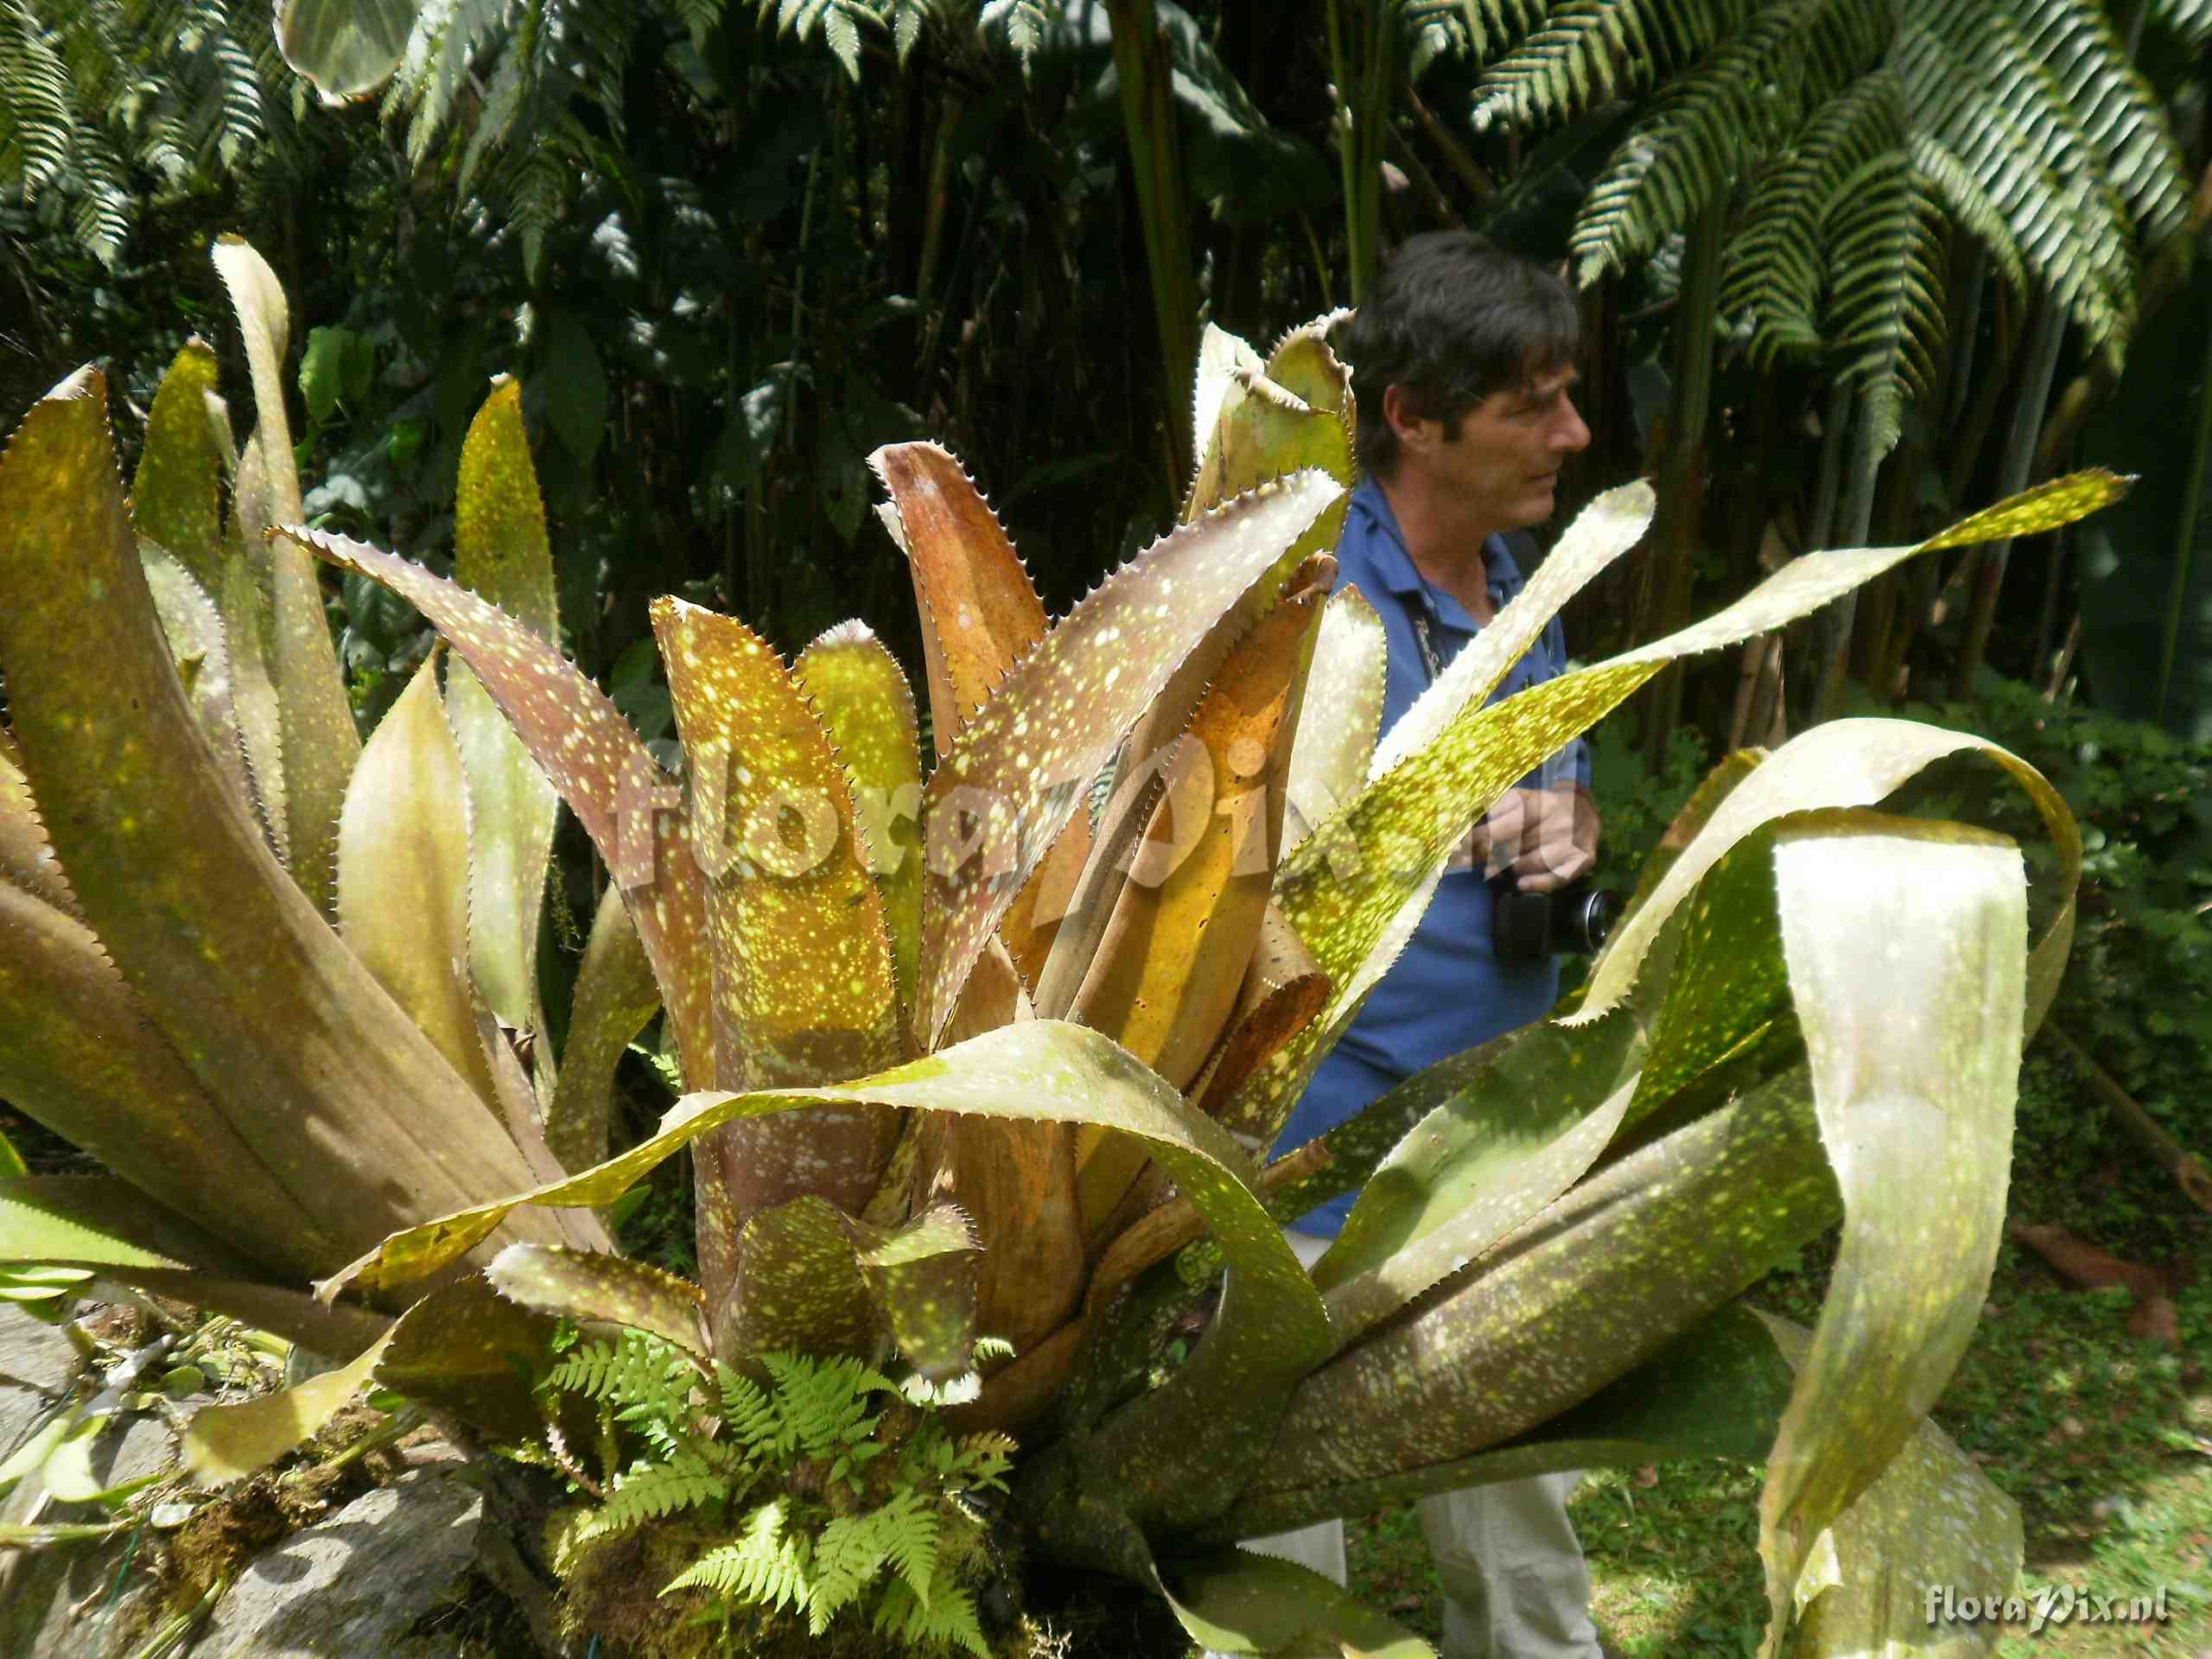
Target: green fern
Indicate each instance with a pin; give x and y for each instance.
(947, 1620)
(766, 1568)
(638, 1372)
(654, 1491)
(830, 1515)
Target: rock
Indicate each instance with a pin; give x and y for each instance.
(36, 1363)
(357, 1583)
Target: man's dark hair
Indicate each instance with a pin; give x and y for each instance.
(1453, 318)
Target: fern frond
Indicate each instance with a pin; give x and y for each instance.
(1953, 183)
(746, 1407)
(1975, 88)
(948, 1619)
(635, 1371)
(2118, 114)
(2190, 19)
(1776, 267)
(822, 1406)
(1702, 133)
(1589, 52)
(652, 1491)
(854, 1549)
(766, 1566)
(1885, 312)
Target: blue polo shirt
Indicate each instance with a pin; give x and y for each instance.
(1448, 991)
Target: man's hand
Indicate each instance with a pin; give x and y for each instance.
(1548, 837)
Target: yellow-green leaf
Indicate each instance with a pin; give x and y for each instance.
(502, 554)
(861, 695)
(805, 991)
(402, 874)
(581, 1286)
(227, 1443)
(319, 740)
(176, 496)
(629, 807)
(1906, 944)
(231, 963)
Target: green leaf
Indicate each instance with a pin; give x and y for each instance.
(346, 47)
(581, 1286)
(1906, 944)
(501, 554)
(227, 1443)
(26, 861)
(629, 807)
(1342, 715)
(80, 1057)
(813, 1279)
(1644, 1248)
(319, 742)
(231, 963)
(861, 695)
(176, 497)
(99, 1221)
(1844, 763)
(402, 875)
(1526, 1127)
(805, 991)
(12, 1167)
(467, 1350)
(194, 631)
(1241, 1602)
(337, 369)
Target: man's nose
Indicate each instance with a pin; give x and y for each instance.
(1569, 433)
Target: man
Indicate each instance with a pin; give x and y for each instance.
(1461, 362)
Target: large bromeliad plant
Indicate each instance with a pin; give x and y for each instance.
(980, 1048)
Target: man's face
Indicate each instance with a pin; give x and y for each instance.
(1503, 466)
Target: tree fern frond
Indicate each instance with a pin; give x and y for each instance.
(1487, 25)
(2190, 19)
(1776, 266)
(1590, 51)
(2118, 113)
(1951, 182)
(35, 86)
(746, 1408)
(1885, 311)
(1702, 133)
(1975, 90)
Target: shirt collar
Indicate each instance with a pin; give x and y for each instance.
(1395, 570)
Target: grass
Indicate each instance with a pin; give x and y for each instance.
(2103, 1439)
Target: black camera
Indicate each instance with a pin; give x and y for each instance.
(1530, 926)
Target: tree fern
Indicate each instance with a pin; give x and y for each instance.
(1588, 51)
(1708, 127)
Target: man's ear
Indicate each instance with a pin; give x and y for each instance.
(1402, 412)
